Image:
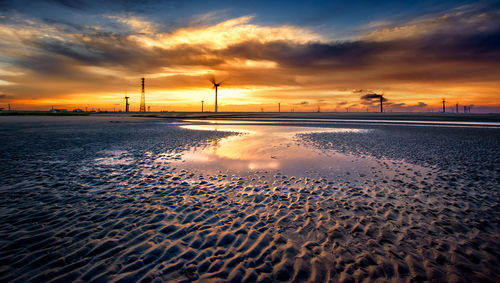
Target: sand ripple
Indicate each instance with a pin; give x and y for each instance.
(81, 220)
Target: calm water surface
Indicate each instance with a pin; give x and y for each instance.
(276, 148)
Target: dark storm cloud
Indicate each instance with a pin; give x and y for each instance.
(309, 55)
(117, 50)
(483, 47)
(30, 7)
(399, 58)
(66, 26)
(403, 60)
(74, 4)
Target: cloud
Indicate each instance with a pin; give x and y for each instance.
(5, 97)
(410, 61)
(302, 103)
(218, 36)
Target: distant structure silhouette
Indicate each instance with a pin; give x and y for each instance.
(126, 104)
(457, 107)
(279, 107)
(216, 87)
(371, 96)
(143, 98)
(444, 107)
(202, 106)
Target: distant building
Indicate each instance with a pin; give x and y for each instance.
(58, 110)
(77, 110)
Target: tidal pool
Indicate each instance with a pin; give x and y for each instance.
(263, 147)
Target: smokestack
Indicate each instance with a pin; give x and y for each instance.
(444, 109)
(381, 104)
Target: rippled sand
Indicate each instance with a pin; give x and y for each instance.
(109, 199)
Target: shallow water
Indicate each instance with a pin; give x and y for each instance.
(381, 122)
(260, 147)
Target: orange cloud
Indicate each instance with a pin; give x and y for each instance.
(415, 63)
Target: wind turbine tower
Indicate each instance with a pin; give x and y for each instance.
(143, 98)
(126, 103)
(216, 87)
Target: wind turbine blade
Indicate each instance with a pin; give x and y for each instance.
(212, 79)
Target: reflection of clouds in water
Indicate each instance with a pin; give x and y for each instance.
(263, 165)
(248, 147)
(266, 147)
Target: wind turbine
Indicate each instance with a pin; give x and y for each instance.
(126, 103)
(382, 102)
(216, 86)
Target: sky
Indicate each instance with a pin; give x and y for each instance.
(305, 55)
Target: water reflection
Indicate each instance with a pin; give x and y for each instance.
(269, 147)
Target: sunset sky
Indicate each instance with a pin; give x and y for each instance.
(302, 54)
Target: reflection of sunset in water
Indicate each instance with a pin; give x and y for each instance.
(263, 147)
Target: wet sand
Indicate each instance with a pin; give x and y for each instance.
(109, 199)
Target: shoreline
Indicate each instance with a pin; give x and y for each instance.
(408, 116)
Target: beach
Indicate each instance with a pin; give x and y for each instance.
(128, 199)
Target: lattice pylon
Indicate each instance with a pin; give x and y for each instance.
(143, 98)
